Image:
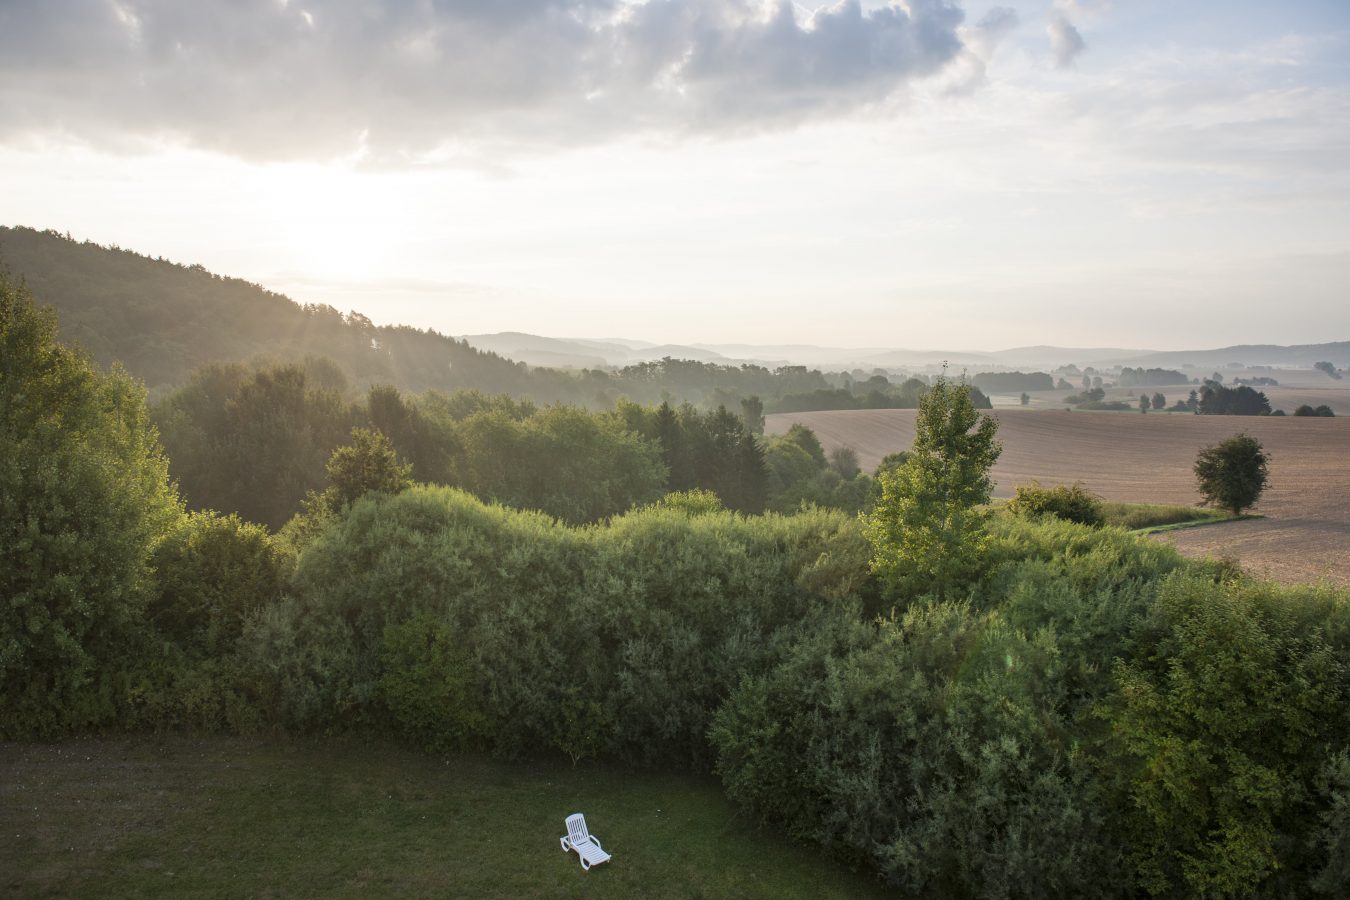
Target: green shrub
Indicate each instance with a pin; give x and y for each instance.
(428, 685)
(694, 502)
(1073, 503)
(1331, 839)
(931, 748)
(658, 614)
(1216, 722)
(211, 573)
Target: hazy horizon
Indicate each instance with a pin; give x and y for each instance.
(972, 177)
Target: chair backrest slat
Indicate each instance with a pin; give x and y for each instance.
(576, 828)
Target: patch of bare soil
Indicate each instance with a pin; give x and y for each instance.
(1147, 458)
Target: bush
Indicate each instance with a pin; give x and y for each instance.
(1216, 722)
(1331, 839)
(1072, 503)
(658, 614)
(428, 685)
(212, 572)
(930, 748)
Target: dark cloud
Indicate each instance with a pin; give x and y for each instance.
(1065, 41)
(292, 78)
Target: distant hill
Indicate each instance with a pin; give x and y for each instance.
(162, 320)
(1052, 357)
(536, 350)
(1297, 355)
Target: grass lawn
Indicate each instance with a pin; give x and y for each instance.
(205, 817)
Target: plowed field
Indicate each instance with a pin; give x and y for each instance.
(1147, 459)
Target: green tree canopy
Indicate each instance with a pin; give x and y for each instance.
(928, 530)
(84, 498)
(1232, 473)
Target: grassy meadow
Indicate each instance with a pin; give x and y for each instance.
(178, 817)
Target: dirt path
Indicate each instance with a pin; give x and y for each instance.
(1147, 459)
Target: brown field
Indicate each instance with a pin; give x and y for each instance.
(1147, 459)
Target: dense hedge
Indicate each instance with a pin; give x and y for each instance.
(616, 640)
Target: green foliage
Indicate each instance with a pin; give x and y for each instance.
(874, 393)
(1232, 473)
(844, 462)
(1073, 503)
(694, 503)
(212, 573)
(712, 451)
(657, 614)
(253, 443)
(1328, 369)
(562, 461)
(84, 499)
(1307, 410)
(799, 474)
(930, 748)
(1149, 377)
(367, 464)
(1331, 839)
(752, 413)
(1089, 395)
(427, 685)
(927, 529)
(1212, 724)
(1217, 400)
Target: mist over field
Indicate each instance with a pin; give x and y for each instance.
(865, 448)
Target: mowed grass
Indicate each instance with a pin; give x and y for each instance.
(232, 817)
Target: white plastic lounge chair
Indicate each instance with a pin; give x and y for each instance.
(580, 840)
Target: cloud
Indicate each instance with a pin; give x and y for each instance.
(297, 78)
(980, 42)
(1065, 41)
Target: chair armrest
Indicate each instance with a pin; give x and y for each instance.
(596, 841)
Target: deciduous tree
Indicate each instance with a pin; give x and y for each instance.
(1232, 473)
(928, 528)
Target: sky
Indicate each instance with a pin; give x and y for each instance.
(923, 174)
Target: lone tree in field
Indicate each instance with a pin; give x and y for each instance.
(1232, 473)
(928, 528)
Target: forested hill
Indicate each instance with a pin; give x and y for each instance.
(162, 320)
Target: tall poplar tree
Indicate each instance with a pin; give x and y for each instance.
(928, 530)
